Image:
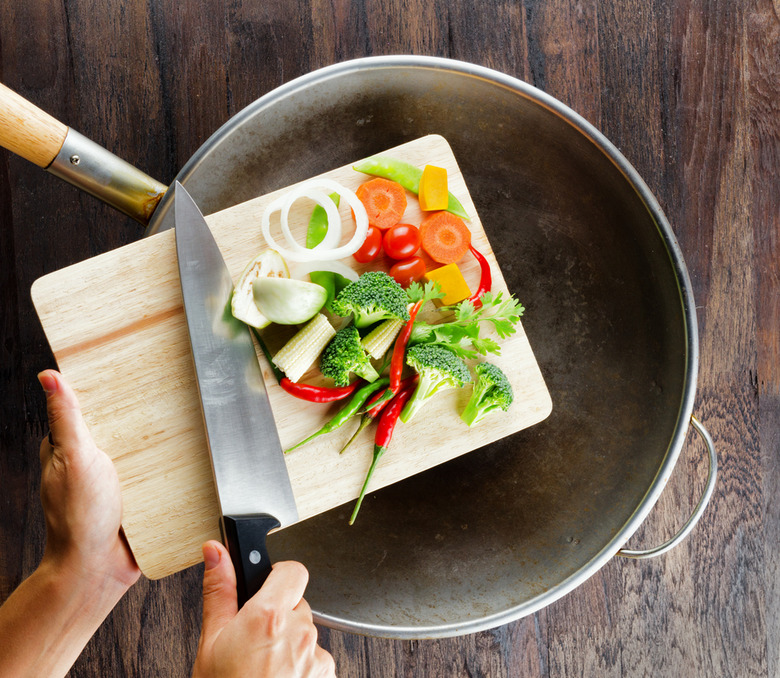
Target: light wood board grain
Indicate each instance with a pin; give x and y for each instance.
(116, 326)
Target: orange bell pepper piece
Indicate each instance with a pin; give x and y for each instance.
(433, 193)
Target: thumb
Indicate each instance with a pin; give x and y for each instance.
(219, 589)
(66, 425)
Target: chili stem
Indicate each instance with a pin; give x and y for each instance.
(384, 434)
(378, 452)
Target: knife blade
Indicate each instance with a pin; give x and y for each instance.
(250, 472)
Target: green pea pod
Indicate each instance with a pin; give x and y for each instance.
(405, 174)
(318, 223)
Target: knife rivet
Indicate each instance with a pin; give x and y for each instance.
(75, 160)
(255, 557)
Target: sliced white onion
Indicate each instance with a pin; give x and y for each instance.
(326, 250)
(332, 237)
(307, 267)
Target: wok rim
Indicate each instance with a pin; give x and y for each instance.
(644, 193)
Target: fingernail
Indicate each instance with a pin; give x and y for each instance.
(48, 382)
(211, 556)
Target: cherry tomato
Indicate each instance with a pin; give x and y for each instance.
(401, 241)
(371, 246)
(408, 271)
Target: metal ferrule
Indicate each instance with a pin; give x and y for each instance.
(99, 172)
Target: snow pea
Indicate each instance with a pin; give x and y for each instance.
(318, 223)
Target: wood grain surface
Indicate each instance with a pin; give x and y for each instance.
(29, 131)
(151, 421)
(688, 90)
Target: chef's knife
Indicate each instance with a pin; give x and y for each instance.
(250, 473)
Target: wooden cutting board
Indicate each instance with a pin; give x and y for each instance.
(116, 326)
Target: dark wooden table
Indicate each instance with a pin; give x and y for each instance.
(688, 90)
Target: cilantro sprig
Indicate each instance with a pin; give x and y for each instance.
(462, 334)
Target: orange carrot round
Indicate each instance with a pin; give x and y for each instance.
(384, 200)
(445, 237)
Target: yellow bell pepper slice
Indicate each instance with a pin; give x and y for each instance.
(434, 194)
(452, 283)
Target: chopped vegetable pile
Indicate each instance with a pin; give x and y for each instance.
(365, 332)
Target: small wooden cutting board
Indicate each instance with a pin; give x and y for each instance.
(116, 326)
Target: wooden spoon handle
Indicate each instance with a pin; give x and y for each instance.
(27, 130)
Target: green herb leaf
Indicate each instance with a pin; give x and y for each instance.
(462, 335)
(430, 291)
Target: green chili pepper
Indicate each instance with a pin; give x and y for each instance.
(347, 412)
(405, 174)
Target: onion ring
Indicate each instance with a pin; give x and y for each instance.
(326, 250)
(332, 237)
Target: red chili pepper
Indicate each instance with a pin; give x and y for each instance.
(318, 394)
(384, 434)
(387, 421)
(379, 401)
(375, 404)
(485, 279)
(397, 361)
(396, 369)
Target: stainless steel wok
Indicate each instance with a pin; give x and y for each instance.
(505, 530)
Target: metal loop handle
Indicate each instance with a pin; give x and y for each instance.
(697, 512)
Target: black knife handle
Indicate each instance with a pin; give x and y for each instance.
(245, 540)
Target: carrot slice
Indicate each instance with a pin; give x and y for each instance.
(384, 200)
(445, 237)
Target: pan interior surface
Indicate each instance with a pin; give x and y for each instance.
(506, 529)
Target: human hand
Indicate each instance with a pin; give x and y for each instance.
(87, 566)
(272, 635)
(80, 496)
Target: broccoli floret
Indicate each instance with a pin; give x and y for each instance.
(439, 369)
(492, 391)
(345, 354)
(374, 296)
